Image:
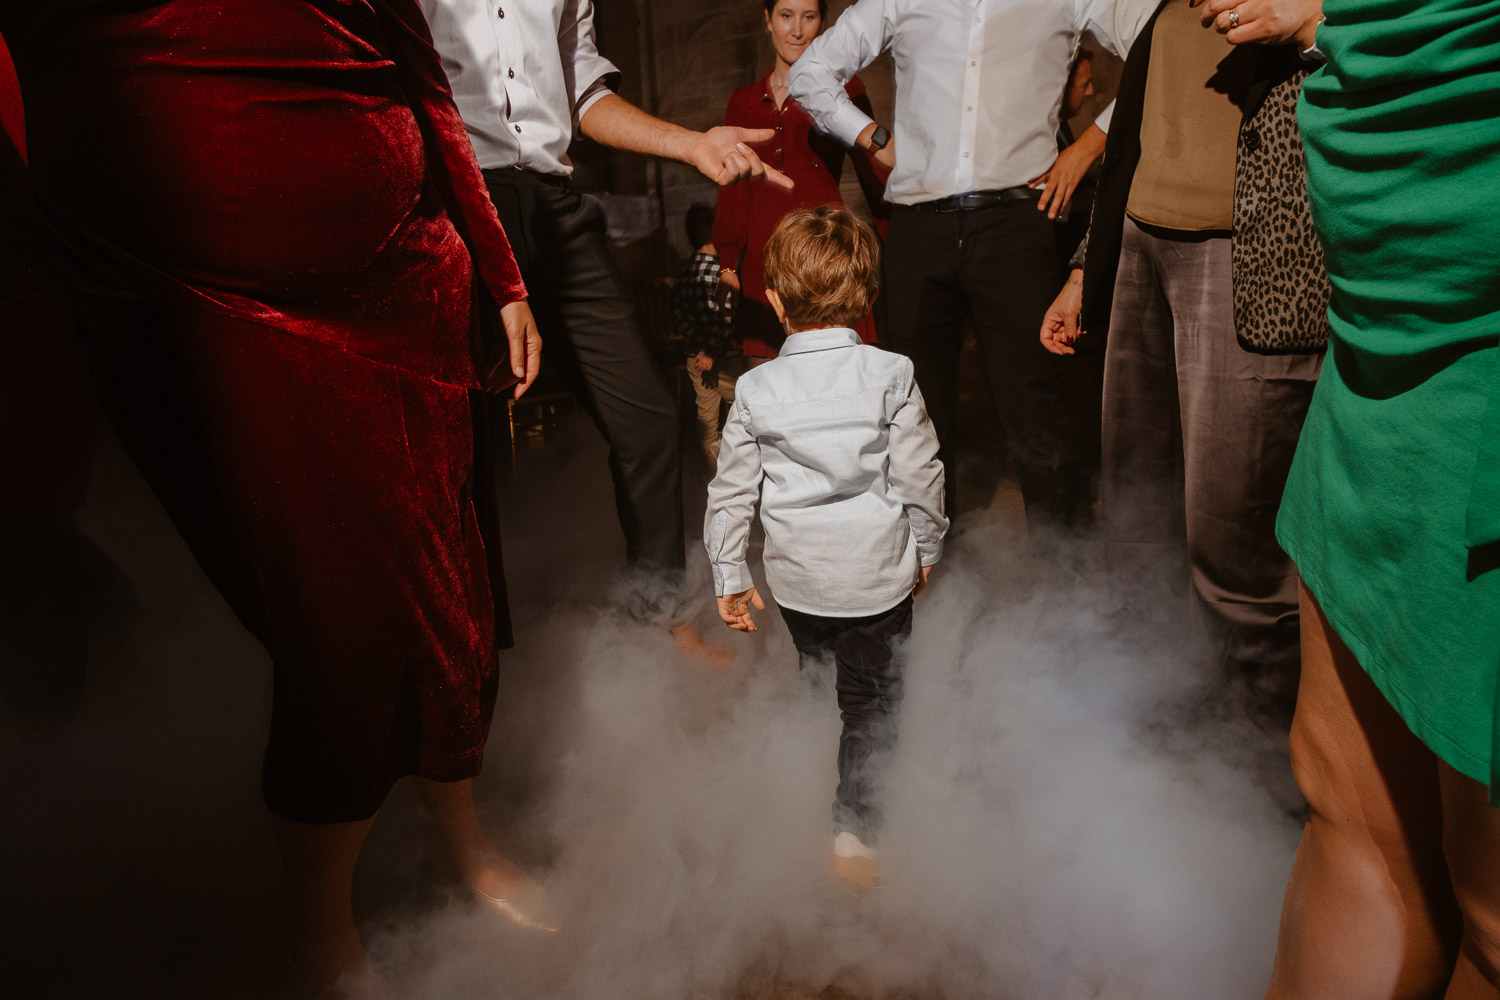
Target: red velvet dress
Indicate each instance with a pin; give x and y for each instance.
(276, 224)
(748, 213)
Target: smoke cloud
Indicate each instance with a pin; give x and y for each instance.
(1075, 809)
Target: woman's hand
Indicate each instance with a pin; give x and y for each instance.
(728, 292)
(734, 609)
(1267, 22)
(1060, 325)
(1062, 179)
(700, 362)
(525, 343)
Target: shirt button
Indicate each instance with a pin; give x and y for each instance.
(518, 128)
(973, 62)
(511, 73)
(502, 13)
(966, 155)
(971, 107)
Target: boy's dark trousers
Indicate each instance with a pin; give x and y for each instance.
(868, 679)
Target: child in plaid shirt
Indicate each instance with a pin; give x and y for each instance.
(714, 364)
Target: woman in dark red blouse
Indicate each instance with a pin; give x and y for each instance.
(748, 213)
(274, 221)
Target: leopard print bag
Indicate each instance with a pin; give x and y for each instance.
(1280, 285)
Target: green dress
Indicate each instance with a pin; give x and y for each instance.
(1392, 508)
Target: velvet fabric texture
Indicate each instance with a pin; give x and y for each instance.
(48, 421)
(274, 220)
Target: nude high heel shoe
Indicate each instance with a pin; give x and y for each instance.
(530, 908)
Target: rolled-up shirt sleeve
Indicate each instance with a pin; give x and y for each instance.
(731, 506)
(587, 74)
(817, 78)
(916, 475)
(1115, 24)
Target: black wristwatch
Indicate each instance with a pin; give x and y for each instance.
(881, 137)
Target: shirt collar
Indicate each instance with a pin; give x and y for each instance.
(765, 87)
(769, 98)
(808, 341)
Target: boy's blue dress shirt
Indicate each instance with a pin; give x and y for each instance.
(833, 439)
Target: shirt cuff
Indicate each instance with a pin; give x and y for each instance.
(930, 555)
(847, 122)
(734, 579)
(601, 88)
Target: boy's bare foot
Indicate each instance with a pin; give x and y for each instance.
(690, 642)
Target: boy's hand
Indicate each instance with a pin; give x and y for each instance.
(922, 583)
(735, 609)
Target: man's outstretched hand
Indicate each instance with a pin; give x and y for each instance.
(721, 154)
(724, 156)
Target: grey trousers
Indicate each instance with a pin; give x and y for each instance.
(1198, 435)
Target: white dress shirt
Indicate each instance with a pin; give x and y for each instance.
(979, 83)
(832, 437)
(523, 73)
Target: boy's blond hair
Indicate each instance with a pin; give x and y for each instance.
(824, 263)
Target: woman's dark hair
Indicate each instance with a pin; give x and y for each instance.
(770, 6)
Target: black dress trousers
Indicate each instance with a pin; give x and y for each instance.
(998, 264)
(592, 335)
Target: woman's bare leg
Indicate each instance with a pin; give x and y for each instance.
(1369, 913)
(319, 860)
(1471, 841)
(480, 864)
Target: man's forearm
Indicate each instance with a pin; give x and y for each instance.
(615, 122)
(1092, 141)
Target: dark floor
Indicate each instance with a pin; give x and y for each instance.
(1068, 820)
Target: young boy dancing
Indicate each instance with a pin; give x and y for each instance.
(834, 441)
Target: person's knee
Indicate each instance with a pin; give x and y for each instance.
(1315, 763)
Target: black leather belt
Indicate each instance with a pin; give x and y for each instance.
(519, 177)
(975, 199)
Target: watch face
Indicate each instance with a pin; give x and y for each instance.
(881, 137)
